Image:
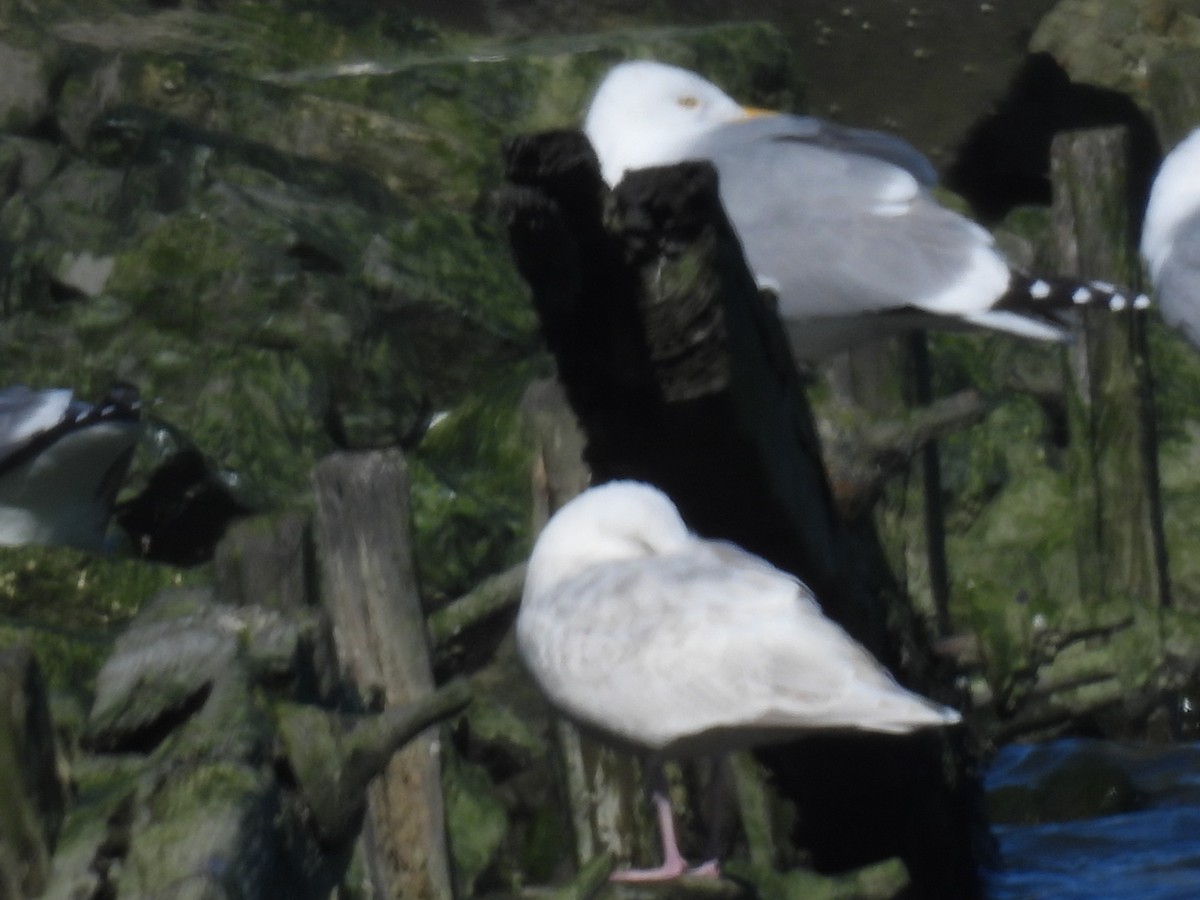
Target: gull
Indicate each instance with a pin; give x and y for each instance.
(62, 462)
(839, 223)
(661, 641)
(1171, 236)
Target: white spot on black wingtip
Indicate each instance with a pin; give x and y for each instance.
(1081, 295)
(1116, 302)
(1106, 287)
(1039, 290)
(1141, 301)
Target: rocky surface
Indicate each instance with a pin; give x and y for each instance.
(179, 787)
(215, 758)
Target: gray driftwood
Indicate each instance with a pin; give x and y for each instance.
(863, 456)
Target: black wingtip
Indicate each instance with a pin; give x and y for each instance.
(1053, 299)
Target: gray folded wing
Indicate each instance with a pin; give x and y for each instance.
(839, 221)
(878, 145)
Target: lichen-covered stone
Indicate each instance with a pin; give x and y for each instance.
(1173, 83)
(1098, 41)
(1147, 50)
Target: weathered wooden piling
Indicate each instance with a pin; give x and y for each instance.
(1122, 553)
(367, 578)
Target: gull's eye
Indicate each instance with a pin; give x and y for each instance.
(687, 101)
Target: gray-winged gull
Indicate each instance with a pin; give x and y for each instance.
(1171, 236)
(839, 222)
(62, 462)
(657, 639)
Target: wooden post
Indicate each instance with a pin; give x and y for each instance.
(362, 535)
(1121, 550)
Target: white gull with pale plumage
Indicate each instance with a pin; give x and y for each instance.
(663, 641)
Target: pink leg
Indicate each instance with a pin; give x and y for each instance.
(673, 864)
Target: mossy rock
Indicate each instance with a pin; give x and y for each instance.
(1174, 94)
(1080, 780)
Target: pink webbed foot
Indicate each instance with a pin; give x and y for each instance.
(666, 872)
(674, 865)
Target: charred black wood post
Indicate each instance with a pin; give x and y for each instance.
(680, 375)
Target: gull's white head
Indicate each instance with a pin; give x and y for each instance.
(648, 113)
(619, 520)
(1174, 198)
